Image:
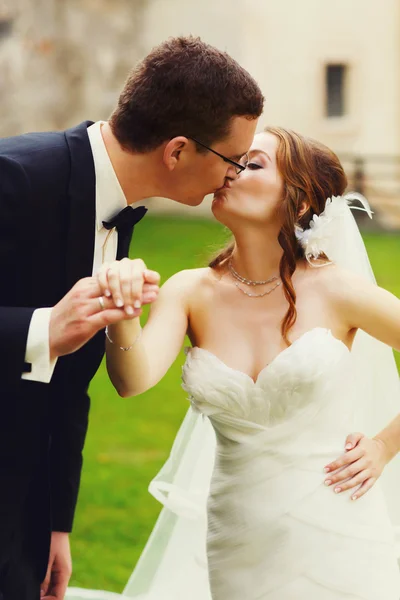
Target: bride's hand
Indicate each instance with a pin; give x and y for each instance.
(360, 466)
(129, 283)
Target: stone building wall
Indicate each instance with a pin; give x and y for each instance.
(63, 61)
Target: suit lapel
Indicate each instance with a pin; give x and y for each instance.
(82, 199)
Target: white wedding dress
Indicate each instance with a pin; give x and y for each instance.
(275, 531)
(246, 514)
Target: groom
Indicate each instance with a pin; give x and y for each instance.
(59, 194)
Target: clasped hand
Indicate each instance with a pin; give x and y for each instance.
(129, 284)
(116, 293)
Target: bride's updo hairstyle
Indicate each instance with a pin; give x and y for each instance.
(311, 173)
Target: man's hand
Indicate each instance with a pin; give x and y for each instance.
(59, 568)
(80, 315)
(360, 466)
(125, 281)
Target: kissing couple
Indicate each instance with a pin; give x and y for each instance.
(291, 346)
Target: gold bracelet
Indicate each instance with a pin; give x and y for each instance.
(122, 347)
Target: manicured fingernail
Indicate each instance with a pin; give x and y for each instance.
(137, 304)
(328, 482)
(119, 303)
(349, 446)
(327, 469)
(129, 310)
(337, 490)
(354, 497)
(107, 293)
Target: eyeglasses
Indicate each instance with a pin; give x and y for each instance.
(238, 167)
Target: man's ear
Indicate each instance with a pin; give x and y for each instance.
(173, 151)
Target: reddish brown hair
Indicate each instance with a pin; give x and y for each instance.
(183, 87)
(311, 173)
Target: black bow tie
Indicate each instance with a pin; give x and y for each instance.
(127, 217)
(124, 223)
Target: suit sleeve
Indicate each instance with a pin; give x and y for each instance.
(14, 320)
(70, 422)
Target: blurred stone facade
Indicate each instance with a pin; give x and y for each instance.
(66, 60)
(63, 61)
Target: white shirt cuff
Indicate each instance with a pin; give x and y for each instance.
(37, 347)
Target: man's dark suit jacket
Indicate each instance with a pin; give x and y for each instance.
(47, 229)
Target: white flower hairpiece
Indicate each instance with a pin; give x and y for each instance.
(322, 227)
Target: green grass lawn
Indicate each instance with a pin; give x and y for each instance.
(129, 440)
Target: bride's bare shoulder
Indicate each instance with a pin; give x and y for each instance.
(332, 279)
(191, 280)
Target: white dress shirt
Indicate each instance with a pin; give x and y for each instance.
(110, 199)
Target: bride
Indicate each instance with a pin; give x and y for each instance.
(290, 352)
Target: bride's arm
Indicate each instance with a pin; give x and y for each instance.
(377, 312)
(156, 346)
(369, 307)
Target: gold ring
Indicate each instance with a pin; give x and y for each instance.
(101, 302)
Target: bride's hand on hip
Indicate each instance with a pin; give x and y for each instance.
(360, 466)
(129, 283)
